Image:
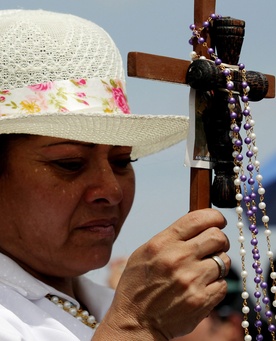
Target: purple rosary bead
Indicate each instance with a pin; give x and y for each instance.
(259, 337)
(230, 85)
(249, 153)
(257, 294)
(250, 167)
(266, 300)
(244, 98)
(206, 24)
(255, 265)
(246, 199)
(253, 195)
(232, 100)
(201, 40)
(255, 250)
(258, 308)
(254, 242)
(218, 61)
(233, 115)
(236, 129)
(248, 140)
(259, 271)
(256, 256)
(252, 227)
(255, 231)
(246, 112)
(238, 143)
(268, 314)
(271, 328)
(192, 27)
(239, 157)
(226, 72)
(244, 85)
(241, 66)
(247, 126)
(264, 285)
(258, 323)
(210, 50)
(251, 181)
(243, 177)
(257, 280)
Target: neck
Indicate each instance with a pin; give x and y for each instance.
(62, 284)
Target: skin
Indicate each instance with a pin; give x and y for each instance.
(63, 204)
(170, 283)
(213, 328)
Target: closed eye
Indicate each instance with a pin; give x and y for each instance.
(122, 163)
(69, 165)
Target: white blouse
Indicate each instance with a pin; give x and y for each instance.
(26, 315)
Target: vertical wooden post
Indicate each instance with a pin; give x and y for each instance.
(201, 179)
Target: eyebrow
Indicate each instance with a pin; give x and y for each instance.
(69, 142)
(79, 143)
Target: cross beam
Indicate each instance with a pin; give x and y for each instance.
(149, 66)
(172, 70)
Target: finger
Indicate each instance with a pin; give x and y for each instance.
(217, 291)
(209, 242)
(213, 271)
(194, 223)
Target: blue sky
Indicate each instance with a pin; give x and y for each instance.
(162, 27)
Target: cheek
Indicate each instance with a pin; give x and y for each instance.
(31, 207)
(129, 192)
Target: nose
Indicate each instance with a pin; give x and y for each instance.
(103, 187)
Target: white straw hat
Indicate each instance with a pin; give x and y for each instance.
(62, 76)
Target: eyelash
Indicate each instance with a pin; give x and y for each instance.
(68, 165)
(122, 163)
(76, 166)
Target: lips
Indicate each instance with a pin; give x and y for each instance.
(100, 228)
(99, 223)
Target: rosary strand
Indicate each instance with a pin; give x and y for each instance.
(249, 198)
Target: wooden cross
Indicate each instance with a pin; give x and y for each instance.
(173, 70)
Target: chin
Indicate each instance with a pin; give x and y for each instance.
(98, 259)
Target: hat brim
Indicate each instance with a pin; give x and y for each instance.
(146, 134)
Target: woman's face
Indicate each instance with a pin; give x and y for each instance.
(63, 203)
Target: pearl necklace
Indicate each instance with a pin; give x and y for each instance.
(79, 314)
(249, 199)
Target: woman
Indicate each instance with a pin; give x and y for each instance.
(67, 185)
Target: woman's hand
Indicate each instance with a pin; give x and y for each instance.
(170, 283)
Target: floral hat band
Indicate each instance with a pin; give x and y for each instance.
(96, 95)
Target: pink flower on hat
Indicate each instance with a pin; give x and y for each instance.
(79, 82)
(82, 82)
(63, 109)
(120, 100)
(41, 87)
(81, 94)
